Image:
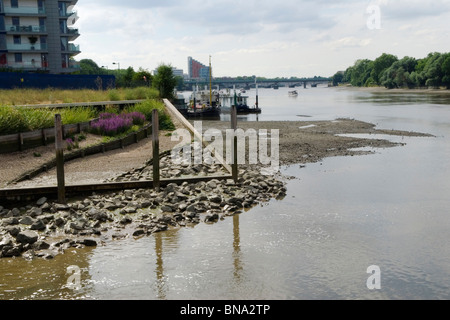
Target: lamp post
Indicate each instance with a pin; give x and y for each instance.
(118, 65)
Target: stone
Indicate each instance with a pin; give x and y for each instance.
(27, 237)
(41, 201)
(89, 242)
(27, 220)
(10, 221)
(41, 245)
(13, 230)
(38, 225)
(138, 233)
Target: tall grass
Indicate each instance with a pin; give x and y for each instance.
(16, 97)
(21, 119)
(146, 108)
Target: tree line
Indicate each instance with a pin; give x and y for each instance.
(387, 70)
(163, 80)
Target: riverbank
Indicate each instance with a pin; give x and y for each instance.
(45, 228)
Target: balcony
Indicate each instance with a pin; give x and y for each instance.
(26, 29)
(29, 65)
(24, 10)
(73, 48)
(26, 47)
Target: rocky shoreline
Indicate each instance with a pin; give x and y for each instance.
(45, 228)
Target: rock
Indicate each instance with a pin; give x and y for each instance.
(215, 198)
(38, 225)
(78, 225)
(41, 201)
(166, 208)
(138, 233)
(89, 242)
(27, 237)
(41, 245)
(27, 220)
(13, 230)
(15, 212)
(60, 222)
(10, 221)
(211, 217)
(34, 212)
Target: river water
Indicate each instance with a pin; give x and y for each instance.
(341, 216)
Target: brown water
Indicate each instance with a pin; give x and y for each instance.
(340, 216)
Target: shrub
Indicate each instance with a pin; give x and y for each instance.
(110, 124)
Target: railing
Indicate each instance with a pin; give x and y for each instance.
(38, 29)
(27, 47)
(26, 65)
(73, 48)
(24, 10)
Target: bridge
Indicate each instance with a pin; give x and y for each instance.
(262, 83)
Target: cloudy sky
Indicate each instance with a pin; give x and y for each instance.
(259, 37)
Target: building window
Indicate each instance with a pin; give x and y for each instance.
(41, 6)
(18, 57)
(14, 3)
(63, 26)
(15, 21)
(64, 61)
(17, 40)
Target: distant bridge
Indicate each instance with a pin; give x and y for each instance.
(250, 83)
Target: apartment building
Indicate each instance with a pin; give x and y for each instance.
(37, 35)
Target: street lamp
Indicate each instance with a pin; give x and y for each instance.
(118, 65)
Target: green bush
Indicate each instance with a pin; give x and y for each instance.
(146, 108)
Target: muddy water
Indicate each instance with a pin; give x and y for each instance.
(340, 216)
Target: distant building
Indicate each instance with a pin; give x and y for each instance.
(35, 35)
(197, 70)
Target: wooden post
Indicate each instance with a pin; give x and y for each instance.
(234, 165)
(155, 140)
(60, 159)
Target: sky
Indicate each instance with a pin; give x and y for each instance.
(289, 38)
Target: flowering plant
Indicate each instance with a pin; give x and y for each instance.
(111, 124)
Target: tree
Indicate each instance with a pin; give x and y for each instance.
(338, 78)
(380, 64)
(142, 78)
(165, 81)
(361, 72)
(398, 75)
(88, 66)
(446, 71)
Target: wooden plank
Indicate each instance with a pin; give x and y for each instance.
(59, 159)
(155, 147)
(51, 191)
(197, 134)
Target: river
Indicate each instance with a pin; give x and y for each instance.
(340, 217)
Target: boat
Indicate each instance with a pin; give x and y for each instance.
(293, 93)
(205, 103)
(227, 100)
(180, 103)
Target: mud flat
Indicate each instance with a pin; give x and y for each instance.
(45, 228)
